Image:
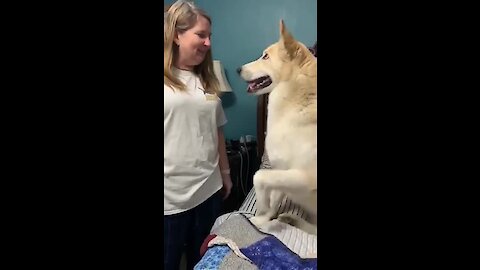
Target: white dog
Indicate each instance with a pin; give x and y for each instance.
(288, 71)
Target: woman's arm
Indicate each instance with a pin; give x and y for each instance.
(224, 165)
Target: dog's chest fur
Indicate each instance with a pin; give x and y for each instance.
(290, 142)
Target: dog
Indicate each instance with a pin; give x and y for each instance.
(287, 70)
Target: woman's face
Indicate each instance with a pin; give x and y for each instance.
(193, 44)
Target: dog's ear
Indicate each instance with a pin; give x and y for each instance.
(287, 41)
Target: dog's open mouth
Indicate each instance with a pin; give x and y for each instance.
(257, 84)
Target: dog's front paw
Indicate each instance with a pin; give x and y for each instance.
(288, 218)
(260, 178)
(297, 222)
(259, 221)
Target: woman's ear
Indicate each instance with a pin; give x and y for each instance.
(175, 38)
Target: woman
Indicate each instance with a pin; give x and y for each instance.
(196, 169)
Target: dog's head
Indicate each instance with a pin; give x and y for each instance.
(281, 61)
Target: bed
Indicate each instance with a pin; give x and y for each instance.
(235, 243)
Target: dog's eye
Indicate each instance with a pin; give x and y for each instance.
(265, 56)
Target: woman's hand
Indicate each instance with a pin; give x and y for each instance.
(227, 185)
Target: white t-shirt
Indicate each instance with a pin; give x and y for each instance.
(190, 122)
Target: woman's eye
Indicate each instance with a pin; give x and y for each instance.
(202, 36)
(265, 56)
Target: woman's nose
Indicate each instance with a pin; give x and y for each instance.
(207, 42)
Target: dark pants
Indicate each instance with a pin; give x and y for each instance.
(188, 228)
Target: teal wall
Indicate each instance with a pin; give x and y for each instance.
(241, 29)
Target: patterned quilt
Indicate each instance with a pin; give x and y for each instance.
(237, 244)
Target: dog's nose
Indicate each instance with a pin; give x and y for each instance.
(239, 70)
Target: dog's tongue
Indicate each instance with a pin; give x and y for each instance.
(251, 87)
(258, 84)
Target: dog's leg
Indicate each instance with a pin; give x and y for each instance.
(288, 181)
(264, 215)
(285, 182)
(263, 194)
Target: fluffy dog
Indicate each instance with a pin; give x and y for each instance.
(287, 70)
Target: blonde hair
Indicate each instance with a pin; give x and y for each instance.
(178, 18)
